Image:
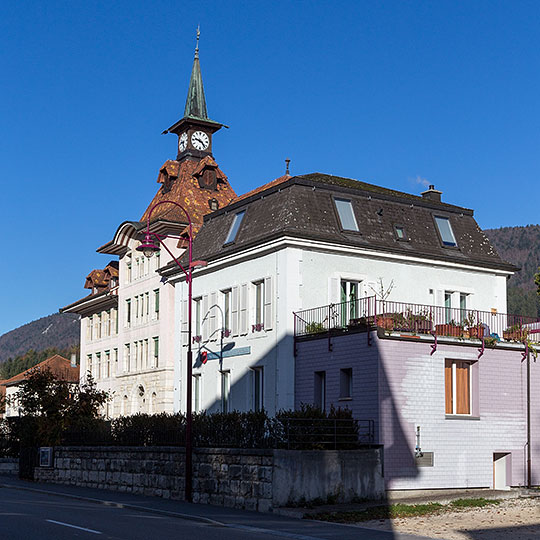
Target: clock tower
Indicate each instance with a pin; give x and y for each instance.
(195, 129)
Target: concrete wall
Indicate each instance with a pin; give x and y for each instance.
(247, 479)
(409, 384)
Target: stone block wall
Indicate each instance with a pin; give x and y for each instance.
(246, 479)
(9, 466)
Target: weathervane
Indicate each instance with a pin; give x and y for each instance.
(198, 36)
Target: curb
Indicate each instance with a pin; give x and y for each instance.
(189, 517)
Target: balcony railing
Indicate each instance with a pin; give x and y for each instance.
(369, 312)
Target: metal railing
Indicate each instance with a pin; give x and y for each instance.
(417, 319)
(327, 433)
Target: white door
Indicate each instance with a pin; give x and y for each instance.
(500, 462)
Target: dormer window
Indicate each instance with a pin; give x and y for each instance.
(346, 214)
(233, 231)
(445, 231)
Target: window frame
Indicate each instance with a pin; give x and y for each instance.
(472, 388)
(234, 229)
(225, 383)
(258, 388)
(353, 215)
(443, 243)
(405, 237)
(345, 379)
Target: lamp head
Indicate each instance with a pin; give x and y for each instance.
(148, 246)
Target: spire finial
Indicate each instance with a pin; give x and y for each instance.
(287, 161)
(198, 36)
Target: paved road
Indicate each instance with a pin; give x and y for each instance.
(28, 515)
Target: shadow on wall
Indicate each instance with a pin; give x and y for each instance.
(370, 397)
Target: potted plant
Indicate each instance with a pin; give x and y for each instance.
(452, 329)
(515, 333)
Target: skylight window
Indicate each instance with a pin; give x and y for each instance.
(400, 232)
(235, 226)
(445, 230)
(346, 214)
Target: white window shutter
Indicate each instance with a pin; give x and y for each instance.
(212, 316)
(205, 318)
(439, 298)
(268, 304)
(185, 320)
(333, 291)
(244, 309)
(234, 311)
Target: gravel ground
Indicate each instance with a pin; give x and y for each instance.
(515, 519)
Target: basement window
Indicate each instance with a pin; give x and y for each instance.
(445, 231)
(233, 231)
(346, 215)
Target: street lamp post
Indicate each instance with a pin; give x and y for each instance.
(149, 247)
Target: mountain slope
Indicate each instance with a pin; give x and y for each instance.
(520, 246)
(60, 330)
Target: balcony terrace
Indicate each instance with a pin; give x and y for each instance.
(406, 320)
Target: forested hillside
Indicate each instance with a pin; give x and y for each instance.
(520, 246)
(60, 331)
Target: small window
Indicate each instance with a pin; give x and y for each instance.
(196, 393)
(237, 221)
(400, 232)
(258, 389)
(198, 313)
(225, 391)
(345, 383)
(259, 302)
(445, 230)
(156, 351)
(320, 390)
(346, 214)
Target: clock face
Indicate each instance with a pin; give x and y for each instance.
(182, 142)
(200, 140)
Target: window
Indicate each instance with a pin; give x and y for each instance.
(447, 306)
(147, 306)
(115, 360)
(136, 309)
(319, 397)
(345, 383)
(98, 364)
(462, 306)
(346, 214)
(197, 310)
(458, 382)
(227, 309)
(156, 351)
(225, 391)
(107, 364)
(259, 304)
(445, 231)
(157, 259)
(108, 323)
(233, 231)
(136, 355)
(156, 303)
(196, 393)
(88, 329)
(89, 364)
(400, 232)
(128, 268)
(128, 313)
(258, 404)
(137, 268)
(127, 357)
(350, 292)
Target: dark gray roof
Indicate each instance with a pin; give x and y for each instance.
(303, 207)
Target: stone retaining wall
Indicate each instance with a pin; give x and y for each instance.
(9, 466)
(246, 479)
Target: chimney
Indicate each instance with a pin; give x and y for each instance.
(73, 360)
(432, 194)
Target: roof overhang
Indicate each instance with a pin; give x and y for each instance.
(93, 303)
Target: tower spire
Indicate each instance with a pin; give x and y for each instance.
(196, 102)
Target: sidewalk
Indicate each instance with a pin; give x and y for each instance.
(264, 523)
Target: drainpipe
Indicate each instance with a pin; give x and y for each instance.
(529, 482)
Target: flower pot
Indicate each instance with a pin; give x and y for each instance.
(449, 330)
(477, 331)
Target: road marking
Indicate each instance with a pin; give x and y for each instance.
(274, 532)
(73, 526)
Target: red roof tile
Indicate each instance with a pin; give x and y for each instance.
(59, 366)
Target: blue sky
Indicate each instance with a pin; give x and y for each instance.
(394, 93)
